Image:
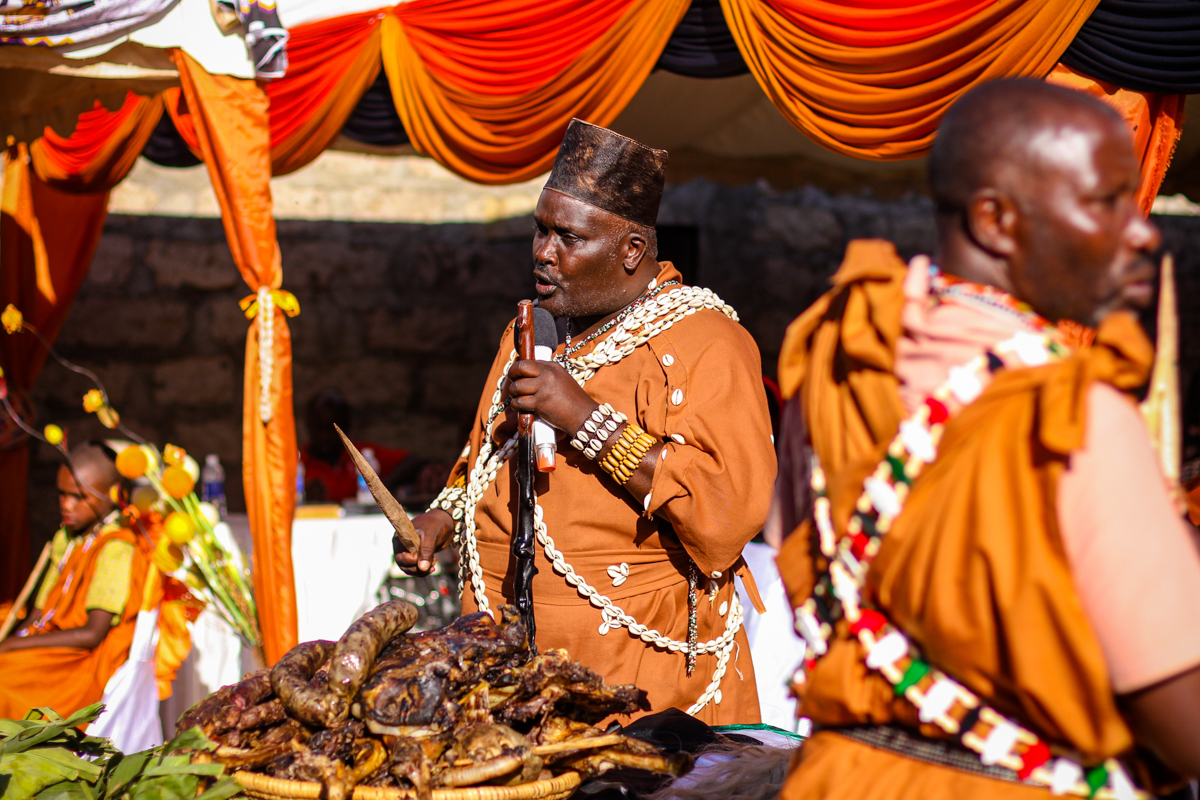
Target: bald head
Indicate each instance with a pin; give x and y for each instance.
(1036, 189)
(93, 465)
(1000, 132)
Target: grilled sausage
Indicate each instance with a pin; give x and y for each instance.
(290, 679)
(357, 649)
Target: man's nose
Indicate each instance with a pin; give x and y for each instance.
(545, 253)
(1143, 234)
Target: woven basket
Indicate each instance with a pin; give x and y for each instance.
(268, 788)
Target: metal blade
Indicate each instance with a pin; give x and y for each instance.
(388, 504)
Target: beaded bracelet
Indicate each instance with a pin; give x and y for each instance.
(597, 429)
(627, 453)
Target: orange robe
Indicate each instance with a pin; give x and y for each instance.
(973, 570)
(68, 678)
(711, 493)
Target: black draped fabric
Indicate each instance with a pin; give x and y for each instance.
(1144, 45)
(702, 46)
(375, 120)
(166, 147)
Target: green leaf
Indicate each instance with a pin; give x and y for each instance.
(211, 770)
(222, 790)
(71, 790)
(122, 770)
(28, 774)
(191, 739)
(65, 759)
(167, 787)
(51, 727)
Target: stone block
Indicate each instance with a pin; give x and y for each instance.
(221, 322)
(221, 436)
(151, 323)
(800, 228)
(421, 329)
(453, 387)
(325, 265)
(112, 262)
(422, 435)
(203, 381)
(363, 382)
(202, 265)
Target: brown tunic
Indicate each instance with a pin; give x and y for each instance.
(973, 571)
(710, 495)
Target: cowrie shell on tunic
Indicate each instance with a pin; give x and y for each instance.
(677, 397)
(668, 360)
(618, 572)
(724, 607)
(678, 438)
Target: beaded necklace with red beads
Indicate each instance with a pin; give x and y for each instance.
(843, 559)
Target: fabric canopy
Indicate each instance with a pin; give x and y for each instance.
(702, 46)
(872, 79)
(1146, 45)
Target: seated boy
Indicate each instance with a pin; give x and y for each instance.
(85, 611)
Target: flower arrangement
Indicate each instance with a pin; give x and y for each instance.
(164, 495)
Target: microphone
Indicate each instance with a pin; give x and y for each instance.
(545, 340)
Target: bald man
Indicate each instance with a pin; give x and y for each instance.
(82, 624)
(998, 596)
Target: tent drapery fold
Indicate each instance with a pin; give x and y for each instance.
(333, 62)
(229, 118)
(471, 94)
(873, 80)
(41, 275)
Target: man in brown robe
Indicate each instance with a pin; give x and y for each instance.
(997, 592)
(628, 560)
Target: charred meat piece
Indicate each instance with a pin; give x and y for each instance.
(220, 712)
(290, 680)
(492, 754)
(421, 677)
(632, 753)
(263, 715)
(554, 684)
(358, 648)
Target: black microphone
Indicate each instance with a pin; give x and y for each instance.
(545, 341)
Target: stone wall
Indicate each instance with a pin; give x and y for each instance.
(404, 319)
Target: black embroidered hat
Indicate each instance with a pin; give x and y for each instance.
(610, 171)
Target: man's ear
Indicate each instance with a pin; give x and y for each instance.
(635, 250)
(991, 222)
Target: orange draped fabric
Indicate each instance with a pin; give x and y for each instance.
(102, 149)
(1156, 121)
(229, 117)
(331, 64)
(40, 275)
(872, 78)
(487, 87)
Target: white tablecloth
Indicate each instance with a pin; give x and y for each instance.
(774, 646)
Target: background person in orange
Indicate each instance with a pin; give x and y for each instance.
(1016, 610)
(86, 607)
(676, 472)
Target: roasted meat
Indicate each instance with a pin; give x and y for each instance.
(462, 706)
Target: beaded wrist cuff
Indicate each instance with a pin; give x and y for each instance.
(596, 430)
(626, 455)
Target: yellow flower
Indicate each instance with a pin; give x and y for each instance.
(173, 455)
(108, 416)
(12, 319)
(53, 434)
(93, 401)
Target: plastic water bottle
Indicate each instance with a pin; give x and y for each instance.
(212, 483)
(365, 498)
(299, 479)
